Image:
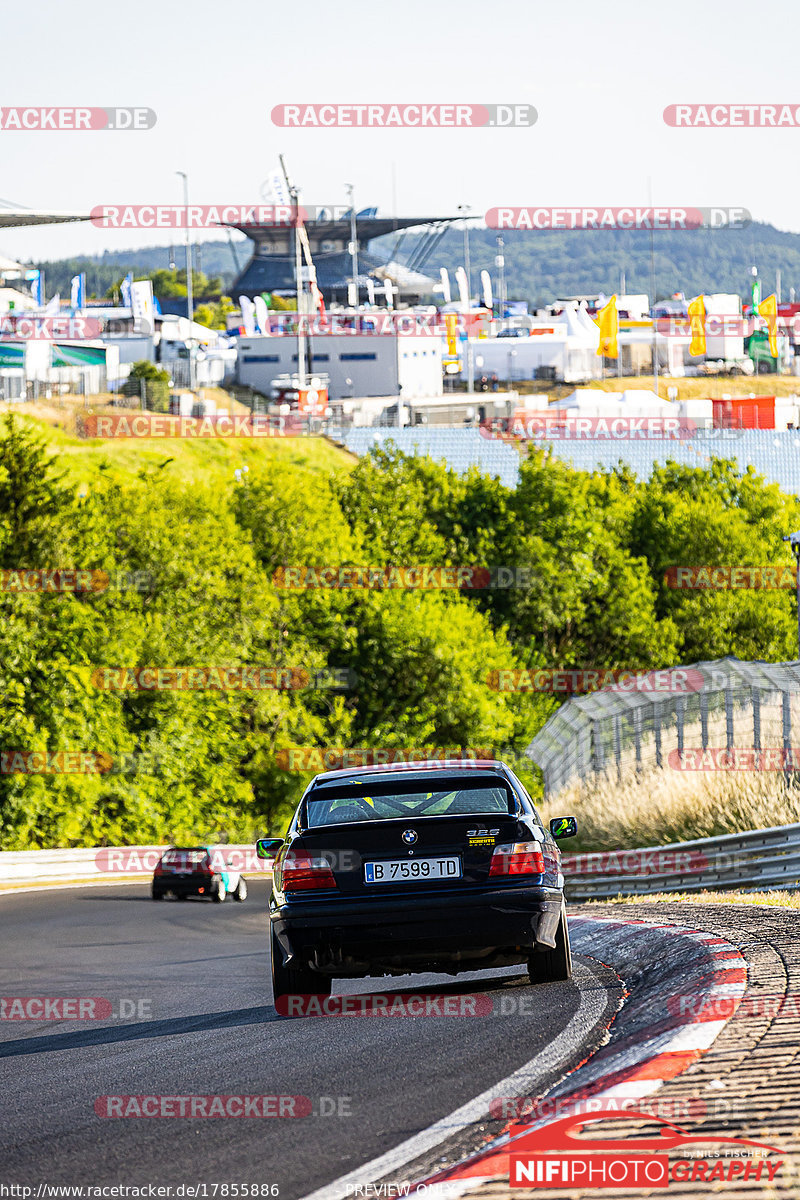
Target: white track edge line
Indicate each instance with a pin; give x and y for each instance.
(589, 1010)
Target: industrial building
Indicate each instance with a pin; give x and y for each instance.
(360, 364)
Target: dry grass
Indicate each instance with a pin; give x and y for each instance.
(775, 899)
(206, 460)
(64, 412)
(664, 806)
(690, 388)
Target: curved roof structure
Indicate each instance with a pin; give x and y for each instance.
(272, 266)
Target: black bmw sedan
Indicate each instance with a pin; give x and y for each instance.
(432, 867)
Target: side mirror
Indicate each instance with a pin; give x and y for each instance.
(563, 827)
(268, 847)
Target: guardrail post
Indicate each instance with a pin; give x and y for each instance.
(598, 760)
(637, 738)
(680, 717)
(618, 747)
(704, 719)
(786, 704)
(756, 719)
(728, 719)
(657, 731)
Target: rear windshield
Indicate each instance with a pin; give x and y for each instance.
(373, 801)
(184, 857)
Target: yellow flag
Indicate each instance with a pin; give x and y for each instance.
(451, 324)
(608, 324)
(768, 309)
(697, 318)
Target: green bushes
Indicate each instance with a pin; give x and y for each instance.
(192, 583)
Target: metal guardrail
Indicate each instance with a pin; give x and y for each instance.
(763, 859)
(622, 730)
(103, 864)
(759, 860)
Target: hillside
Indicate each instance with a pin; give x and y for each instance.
(214, 462)
(539, 266)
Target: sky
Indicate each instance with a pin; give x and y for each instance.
(599, 76)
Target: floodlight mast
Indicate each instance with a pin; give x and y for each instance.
(294, 196)
(794, 540)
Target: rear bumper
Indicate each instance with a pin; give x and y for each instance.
(454, 932)
(185, 885)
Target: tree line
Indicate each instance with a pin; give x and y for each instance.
(188, 576)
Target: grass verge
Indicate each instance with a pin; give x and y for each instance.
(664, 806)
(207, 460)
(775, 899)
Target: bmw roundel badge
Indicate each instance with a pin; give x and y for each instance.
(409, 836)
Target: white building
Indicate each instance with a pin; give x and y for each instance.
(359, 364)
(559, 347)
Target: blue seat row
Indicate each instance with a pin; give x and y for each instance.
(773, 454)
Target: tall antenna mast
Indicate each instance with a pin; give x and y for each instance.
(301, 337)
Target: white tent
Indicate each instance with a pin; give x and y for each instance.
(646, 399)
(20, 300)
(594, 402)
(588, 324)
(9, 267)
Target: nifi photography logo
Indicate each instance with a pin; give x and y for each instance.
(552, 1157)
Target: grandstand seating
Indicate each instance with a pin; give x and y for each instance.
(773, 454)
(460, 448)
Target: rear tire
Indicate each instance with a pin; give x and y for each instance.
(299, 981)
(157, 893)
(220, 893)
(240, 891)
(551, 966)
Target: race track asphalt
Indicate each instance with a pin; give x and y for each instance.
(195, 976)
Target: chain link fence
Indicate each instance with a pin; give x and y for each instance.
(717, 707)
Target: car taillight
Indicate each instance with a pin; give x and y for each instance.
(301, 872)
(518, 858)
